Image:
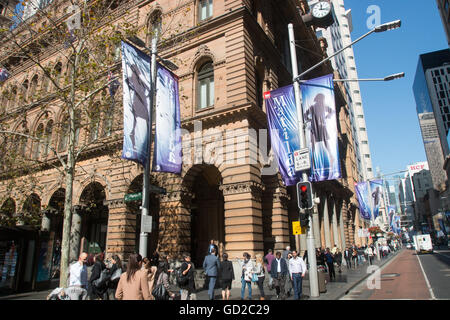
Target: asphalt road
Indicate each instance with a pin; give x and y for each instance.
(437, 271)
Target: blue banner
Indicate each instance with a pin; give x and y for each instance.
(319, 115)
(376, 188)
(362, 194)
(136, 103)
(391, 214)
(167, 156)
(283, 128)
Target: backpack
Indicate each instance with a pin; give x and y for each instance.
(180, 277)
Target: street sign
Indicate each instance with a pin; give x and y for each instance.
(133, 197)
(301, 159)
(296, 228)
(146, 225)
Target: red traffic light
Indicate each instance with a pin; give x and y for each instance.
(303, 188)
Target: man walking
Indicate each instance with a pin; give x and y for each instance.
(348, 257)
(78, 279)
(211, 266)
(297, 270)
(279, 271)
(269, 258)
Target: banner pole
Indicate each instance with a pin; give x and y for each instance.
(313, 276)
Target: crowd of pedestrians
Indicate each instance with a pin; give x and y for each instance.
(151, 278)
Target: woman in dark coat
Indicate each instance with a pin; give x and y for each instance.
(226, 275)
(188, 270)
(94, 291)
(112, 283)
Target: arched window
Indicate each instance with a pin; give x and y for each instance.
(23, 143)
(205, 86)
(37, 144)
(24, 91)
(65, 131)
(47, 138)
(57, 71)
(94, 126)
(205, 9)
(33, 87)
(108, 117)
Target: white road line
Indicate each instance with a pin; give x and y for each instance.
(426, 279)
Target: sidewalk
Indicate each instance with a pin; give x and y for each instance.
(345, 281)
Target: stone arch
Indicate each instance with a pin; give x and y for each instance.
(94, 178)
(43, 116)
(8, 207)
(47, 196)
(202, 55)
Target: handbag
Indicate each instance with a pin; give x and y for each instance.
(104, 276)
(160, 292)
(116, 274)
(254, 277)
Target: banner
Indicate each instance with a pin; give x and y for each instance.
(362, 194)
(167, 156)
(319, 116)
(136, 103)
(391, 213)
(376, 188)
(282, 122)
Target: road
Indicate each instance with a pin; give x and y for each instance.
(408, 277)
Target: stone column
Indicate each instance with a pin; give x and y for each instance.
(121, 237)
(316, 227)
(326, 223)
(243, 219)
(75, 233)
(175, 223)
(341, 226)
(335, 226)
(47, 220)
(280, 221)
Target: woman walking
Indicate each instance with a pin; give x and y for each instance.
(97, 291)
(246, 277)
(162, 277)
(115, 272)
(187, 270)
(260, 273)
(133, 284)
(151, 271)
(226, 275)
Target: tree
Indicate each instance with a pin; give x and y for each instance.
(87, 41)
(75, 56)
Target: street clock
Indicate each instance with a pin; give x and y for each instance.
(320, 15)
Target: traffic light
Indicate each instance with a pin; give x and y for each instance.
(304, 195)
(304, 220)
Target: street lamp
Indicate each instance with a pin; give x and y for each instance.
(145, 208)
(387, 78)
(314, 290)
(381, 28)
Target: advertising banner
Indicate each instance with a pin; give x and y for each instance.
(283, 127)
(362, 194)
(391, 213)
(319, 115)
(376, 188)
(167, 156)
(136, 103)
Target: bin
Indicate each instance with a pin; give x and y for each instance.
(321, 280)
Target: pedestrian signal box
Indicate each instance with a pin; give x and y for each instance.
(304, 195)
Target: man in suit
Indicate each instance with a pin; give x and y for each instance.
(211, 266)
(279, 272)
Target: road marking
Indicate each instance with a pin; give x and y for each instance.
(426, 280)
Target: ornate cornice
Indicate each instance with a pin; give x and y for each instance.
(176, 196)
(242, 187)
(115, 203)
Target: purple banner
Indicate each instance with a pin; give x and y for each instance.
(282, 122)
(167, 156)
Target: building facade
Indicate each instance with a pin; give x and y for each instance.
(233, 52)
(444, 11)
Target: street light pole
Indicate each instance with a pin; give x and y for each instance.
(372, 218)
(313, 278)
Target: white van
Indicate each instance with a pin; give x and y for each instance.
(422, 243)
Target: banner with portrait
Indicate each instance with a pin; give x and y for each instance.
(376, 189)
(319, 116)
(167, 155)
(283, 128)
(136, 103)
(362, 194)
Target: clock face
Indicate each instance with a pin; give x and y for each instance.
(321, 9)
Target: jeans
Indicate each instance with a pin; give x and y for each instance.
(76, 293)
(261, 286)
(212, 284)
(349, 263)
(279, 283)
(246, 283)
(297, 282)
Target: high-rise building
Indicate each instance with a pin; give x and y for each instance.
(432, 93)
(338, 36)
(444, 11)
(7, 8)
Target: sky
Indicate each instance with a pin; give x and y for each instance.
(395, 139)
